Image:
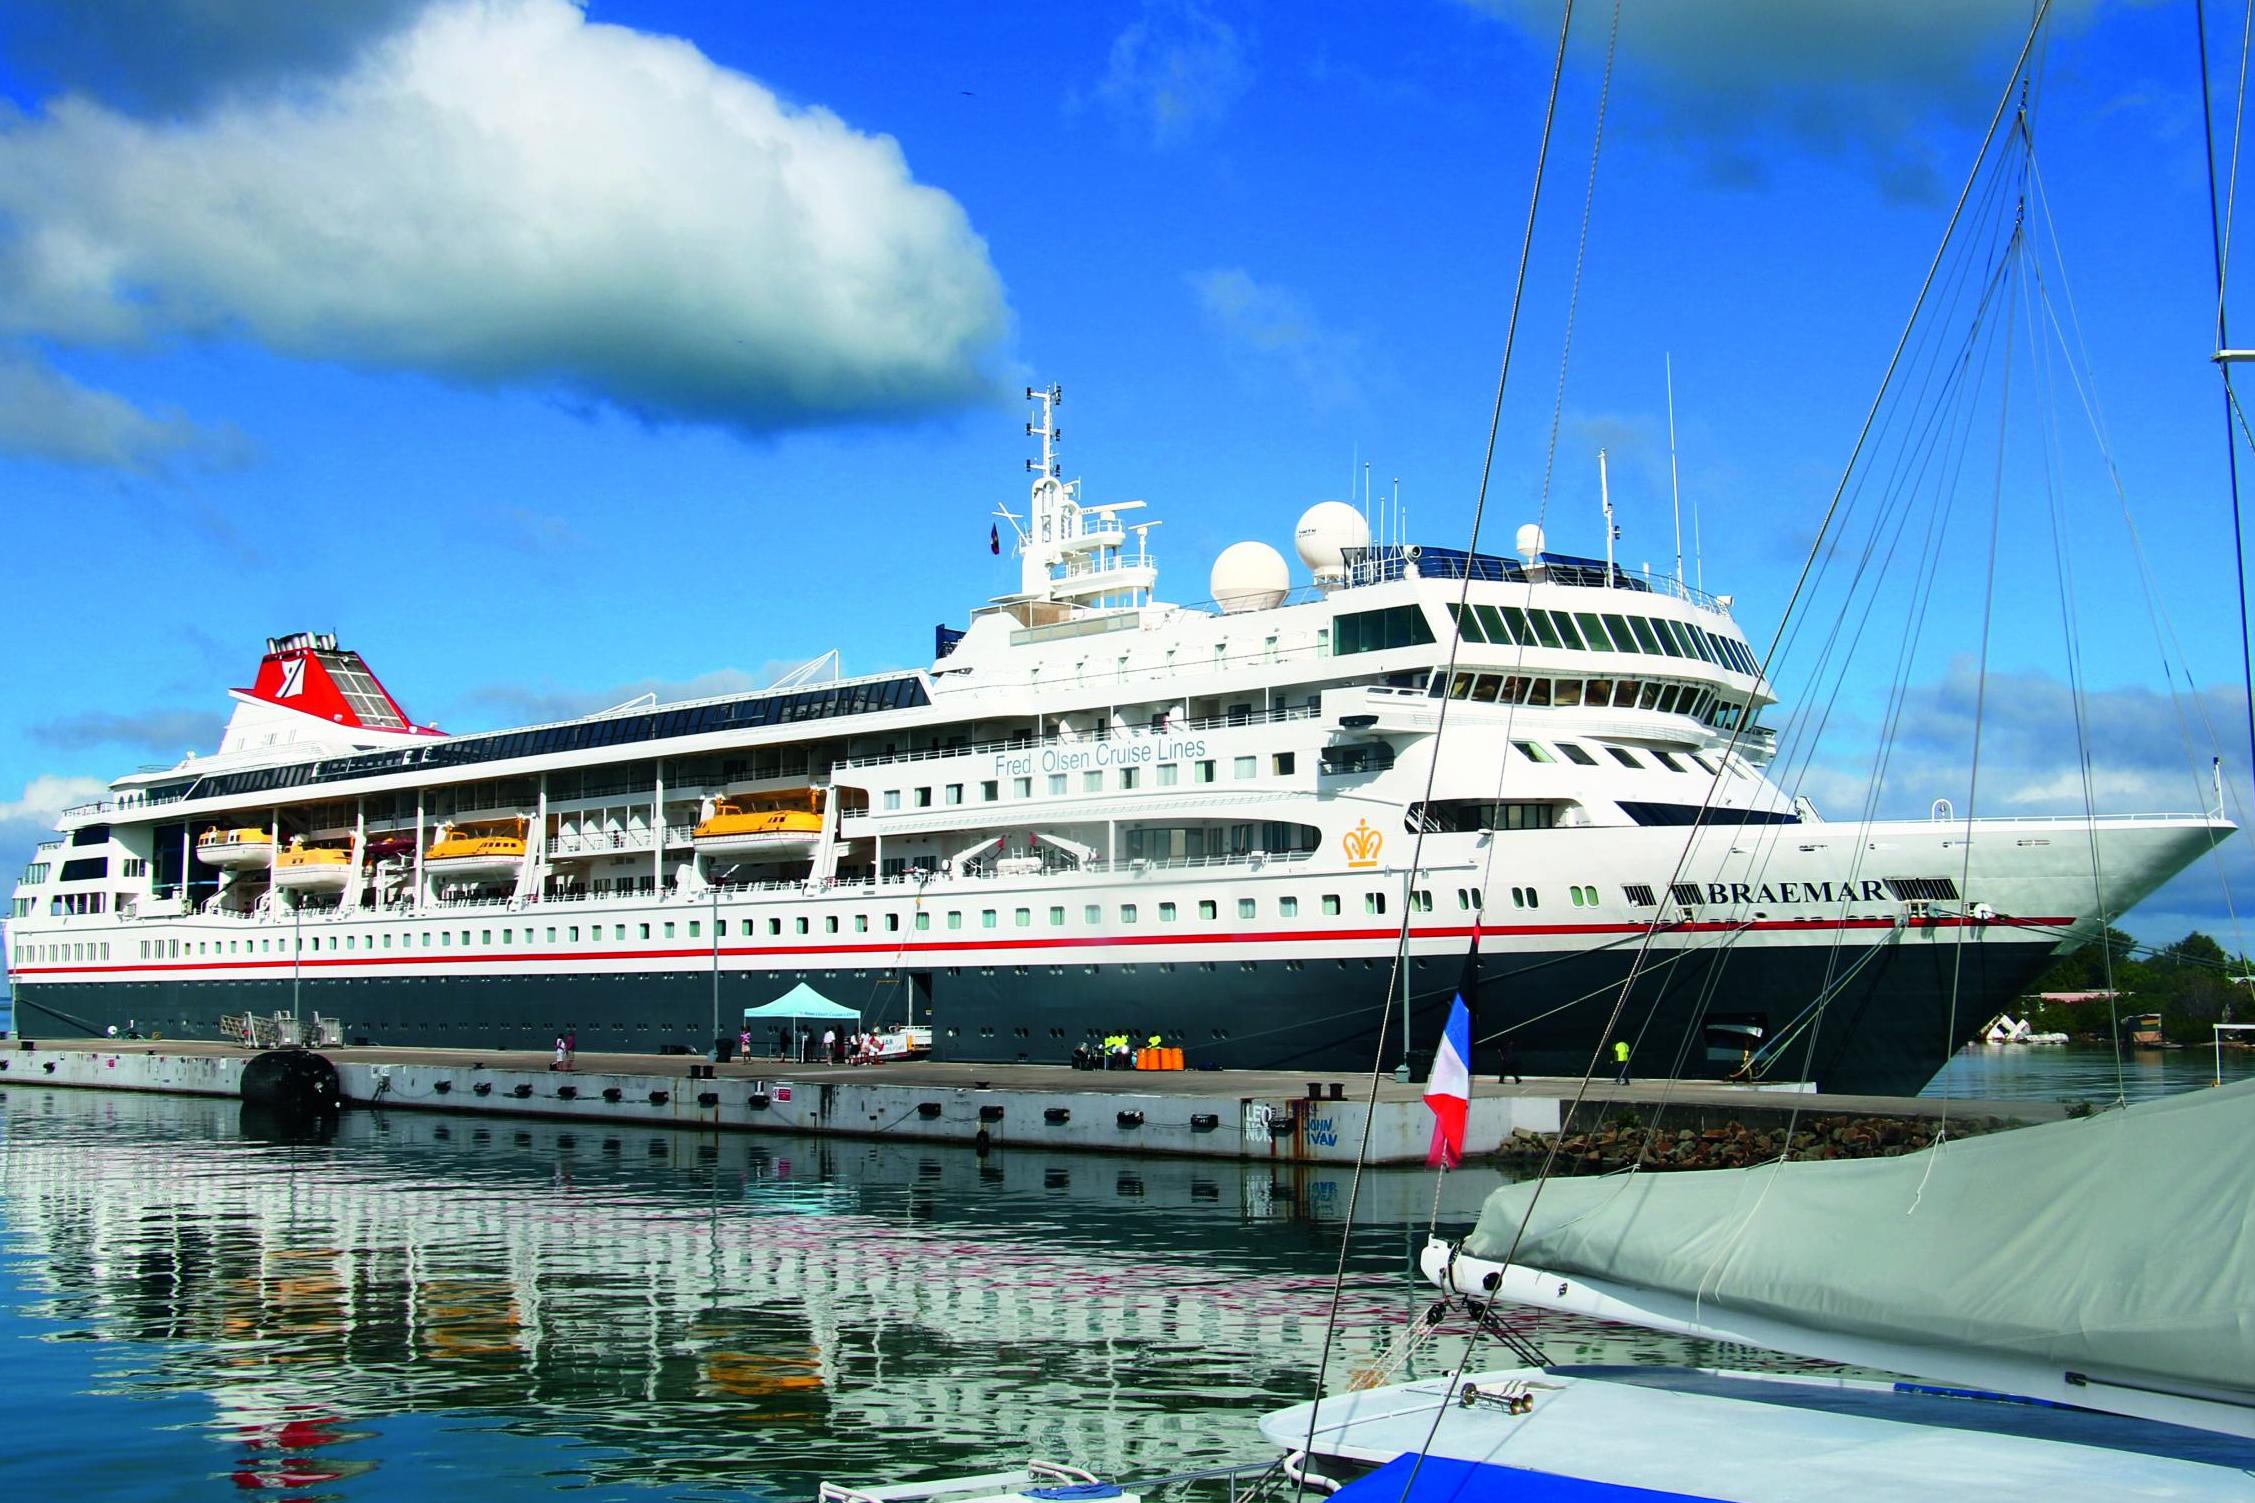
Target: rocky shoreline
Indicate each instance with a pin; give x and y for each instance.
(1734, 1145)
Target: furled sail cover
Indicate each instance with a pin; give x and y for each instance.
(2122, 1242)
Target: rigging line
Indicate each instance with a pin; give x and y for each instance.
(1581, 249)
(2064, 577)
(1479, 509)
(1816, 550)
(2231, 450)
(1981, 679)
(2165, 639)
(2231, 180)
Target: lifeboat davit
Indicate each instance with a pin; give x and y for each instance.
(771, 832)
(476, 854)
(236, 850)
(312, 868)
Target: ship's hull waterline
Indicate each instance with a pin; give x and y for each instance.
(1885, 1030)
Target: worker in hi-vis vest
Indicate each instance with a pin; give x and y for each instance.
(1621, 1061)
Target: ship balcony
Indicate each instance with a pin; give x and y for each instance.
(1378, 710)
(1096, 534)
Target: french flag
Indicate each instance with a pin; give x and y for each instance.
(1448, 1090)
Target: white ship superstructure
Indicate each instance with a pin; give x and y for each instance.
(1093, 812)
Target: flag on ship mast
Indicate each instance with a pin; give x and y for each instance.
(994, 538)
(1448, 1090)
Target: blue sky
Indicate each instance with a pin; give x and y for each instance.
(547, 355)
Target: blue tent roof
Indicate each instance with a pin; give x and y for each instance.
(801, 1001)
(1443, 1479)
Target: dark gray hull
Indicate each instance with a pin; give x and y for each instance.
(1886, 1031)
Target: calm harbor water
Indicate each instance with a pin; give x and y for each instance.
(192, 1306)
(188, 1308)
(2082, 1072)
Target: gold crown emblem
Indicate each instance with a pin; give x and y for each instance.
(1363, 844)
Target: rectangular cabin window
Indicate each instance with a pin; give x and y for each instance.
(1127, 913)
(1566, 633)
(829, 924)
(1545, 633)
(1330, 905)
(1460, 687)
(1057, 917)
(1566, 691)
(1205, 772)
(861, 923)
(1515, 621)
(892, 799)
(989, 791)
(1247, 908)
(1576, 754)
(1467, 622)
(1168, 774)
(1056, 785)
(1491, 625)
(955, 793)
(923, 798)
(1598, 692)
(695, 927)
(1532, 752)
(1618, 626)
(1092, 782)
(1129, 777)
(1593, 631)
(1644, 637)
(1374, 903)
(986, 918)
(892, 923)
(1023, 918)
(775, 926)
(1247, 767)
(1283, 763)
(1092, 913)
(1625, 692)
(1668, 642)
(1623, 756)
(923, 921)
(1287, 907)
(1166, 913)
(1021, 787)
(1207, 909)
(955, 918)
(1669, 762)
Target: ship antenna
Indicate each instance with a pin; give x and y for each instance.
(1675, 484)
(1605, 499)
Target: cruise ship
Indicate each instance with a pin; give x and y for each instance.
(1095, 812)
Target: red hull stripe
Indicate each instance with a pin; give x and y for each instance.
(899, 952)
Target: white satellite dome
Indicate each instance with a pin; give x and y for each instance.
(1325, 533)
(1530, 541)
(1249, 577)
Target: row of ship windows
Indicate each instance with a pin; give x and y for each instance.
(1207, 909)
(1668, 698)
(1592, 631)
(1058, 784)
(1580, 756)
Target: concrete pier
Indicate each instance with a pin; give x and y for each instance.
(1234, 1114)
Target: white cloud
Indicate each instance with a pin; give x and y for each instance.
(506, 193)
(1274, 324)
(46, 415)
(1174, 71)
(26, 821)
(1865, 83)
(169, 55)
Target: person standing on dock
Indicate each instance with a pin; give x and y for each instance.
(571, 1047)
(1507, 1061)
(1621, 1061)
(560, 1054)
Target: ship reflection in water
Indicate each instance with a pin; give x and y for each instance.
(539, 1308)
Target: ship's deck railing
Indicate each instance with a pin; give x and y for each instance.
(1105, 733)
(608, 842)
